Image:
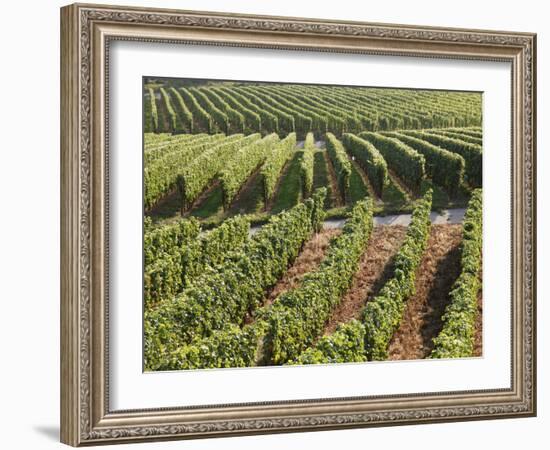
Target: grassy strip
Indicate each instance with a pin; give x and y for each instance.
(394, 196)
(288, 194)
(321, 177)
(357, 189)
(210, 206)
(275, 160)
(250, 199)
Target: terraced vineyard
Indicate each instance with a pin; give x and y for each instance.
(241, 267)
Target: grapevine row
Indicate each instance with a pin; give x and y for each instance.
(307, 165)
(237, 123)
(445, 168)
(458, 135)
(284, 120)
(267, 123)
(184, 114)
(286, 108)
(298, 316)
(402, 159)
(167, 274)
(251, 119)
(219, 117)
(173, 143)
(233, 346)
(196, 176)
(368, 338)
(456, 339)
(172, 116)
(383, 314)
(340, 161)
(370, 159)
(154, 113)
(201, 118)
(161, 175)
(227, 293)
(471, 153)
(242, 164)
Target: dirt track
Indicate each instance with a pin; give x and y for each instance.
(438, 270)
(374, 269)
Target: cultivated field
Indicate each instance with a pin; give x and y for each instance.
(242, 270)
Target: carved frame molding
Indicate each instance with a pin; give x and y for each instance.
(86, 31)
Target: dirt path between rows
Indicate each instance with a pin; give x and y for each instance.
(308, 260)
(478, 335)
(438, 270)
(375, 268)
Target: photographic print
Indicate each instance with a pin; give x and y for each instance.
(295, 224)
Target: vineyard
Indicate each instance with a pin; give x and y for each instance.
(262, 235)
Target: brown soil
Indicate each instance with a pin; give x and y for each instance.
(374, 269)
(438, 270)
(478, 336)
(336, 194)
(308, 260)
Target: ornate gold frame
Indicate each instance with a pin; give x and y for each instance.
(86, 31)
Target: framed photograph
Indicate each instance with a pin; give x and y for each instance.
(280, 224)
